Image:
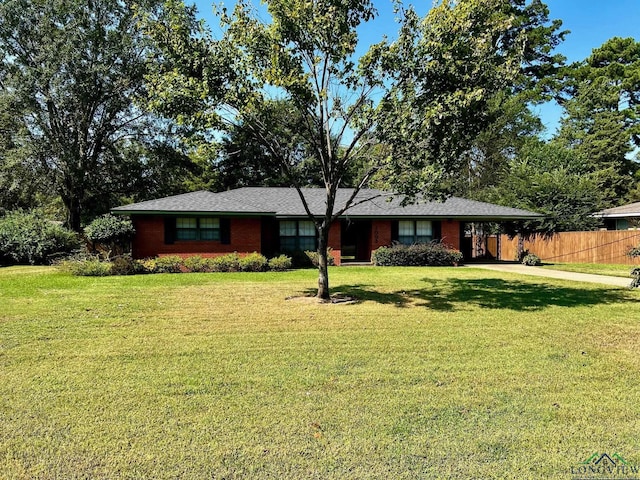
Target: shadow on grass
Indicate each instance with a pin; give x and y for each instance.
(455, 294)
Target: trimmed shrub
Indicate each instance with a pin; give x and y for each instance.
(531, 260)
(197, 264)
(90, 267)
(125, 265)
(280, 263)
(254, 262)
(168, 264)
(418, 255)
(147, 265)
(225, 263)
(110, 234)
(31, 238)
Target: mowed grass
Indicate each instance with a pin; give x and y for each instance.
(614, 270)
(434, 373)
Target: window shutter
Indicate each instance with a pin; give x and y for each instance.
(394, 231)
(225, 231)
(169, 230)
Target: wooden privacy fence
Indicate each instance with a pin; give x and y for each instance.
(605, 246)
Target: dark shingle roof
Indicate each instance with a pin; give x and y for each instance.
(285, 202)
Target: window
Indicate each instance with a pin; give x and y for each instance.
(622, 224)
(415, 231)
(297, 235)
(191, 228)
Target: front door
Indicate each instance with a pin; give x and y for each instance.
(355, 241)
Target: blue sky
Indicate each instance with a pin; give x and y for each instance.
(591, 23)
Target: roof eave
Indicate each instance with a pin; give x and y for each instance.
(190, 213)
(486, 218)
(617, 215)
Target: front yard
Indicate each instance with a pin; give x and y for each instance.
(435, 373)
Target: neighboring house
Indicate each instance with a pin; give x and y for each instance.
(273, 220)
(626, 217)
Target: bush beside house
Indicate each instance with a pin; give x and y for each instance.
(418, 255)
(109, 235)
(125, 265)
(31, 238)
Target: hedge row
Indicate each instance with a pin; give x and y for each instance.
(418, 255)
(125, 265)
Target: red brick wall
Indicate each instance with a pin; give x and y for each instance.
(149, 239)
(246, 238)
(335, 241)
(451, 233)
(380, 233)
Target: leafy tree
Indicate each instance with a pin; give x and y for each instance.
(551, 180)
(424, 96)
(109, 234)
(513, 127)
(30, 237)
(244, 161)
(71, 71)
(21, 183)
(601, 97)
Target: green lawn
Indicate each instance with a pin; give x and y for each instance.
(435, 373)
(594, 268)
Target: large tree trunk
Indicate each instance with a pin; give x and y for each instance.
(323, 273)
(74, 213)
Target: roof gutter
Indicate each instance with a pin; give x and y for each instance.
(190, 213)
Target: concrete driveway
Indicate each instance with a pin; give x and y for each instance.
(545, 272)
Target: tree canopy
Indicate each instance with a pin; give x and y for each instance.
(601, 96)
(71, 72)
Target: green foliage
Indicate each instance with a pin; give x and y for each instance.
(553, 181)
(88, 267)
(197, 264)
(168, 264)
(513, 126)
(476, 51)
(531, 260)
(253, 262)
(225, 263)
(418, 255)
(110, 233)
(601, 97)
(125, 265)
(30, 237)
(72, 75)
(22, 182)
(280, 263)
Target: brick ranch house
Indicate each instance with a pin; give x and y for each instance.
(273, 220)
